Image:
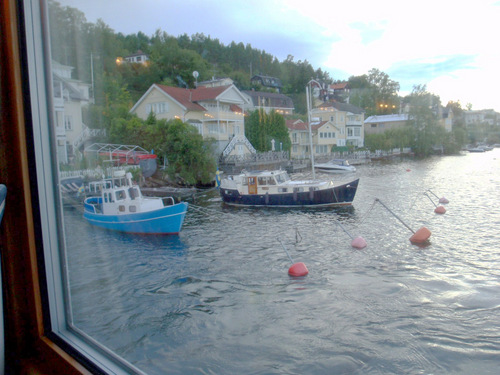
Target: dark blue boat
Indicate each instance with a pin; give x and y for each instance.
(276, 189)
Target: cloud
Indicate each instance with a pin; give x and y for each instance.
(443, 43)
(370, 31)
(423, 71)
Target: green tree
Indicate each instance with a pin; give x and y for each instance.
(375, 92)
(261, 128)
(114, 102)
(423, 121)
(190, 158)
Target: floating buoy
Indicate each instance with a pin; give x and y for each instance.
(408, 170)
(358, 242)
(297, 269)
(440, 210)
(441, 200)
(420, 236)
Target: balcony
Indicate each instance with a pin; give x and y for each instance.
(223, 116)
(350, 122)
(58, 104)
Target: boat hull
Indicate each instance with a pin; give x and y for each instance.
(341, 195)
(166, 220)
(335, 170)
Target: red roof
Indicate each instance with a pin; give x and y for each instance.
(189, 97)
(304, 126)
(183, 96)
(338, 86)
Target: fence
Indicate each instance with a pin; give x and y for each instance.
(260, 157)
(96, 173)
(350, 155)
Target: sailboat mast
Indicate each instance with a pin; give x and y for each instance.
(308, 98)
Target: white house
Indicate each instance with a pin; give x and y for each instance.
(217, 113)
(138, 58)
(70, 97)
(380, 123)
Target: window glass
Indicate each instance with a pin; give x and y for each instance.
(101, 76)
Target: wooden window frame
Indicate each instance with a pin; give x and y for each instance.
(30, 347)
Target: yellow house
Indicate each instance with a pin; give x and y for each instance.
(347, 118)
(216, 112)
(325, 135)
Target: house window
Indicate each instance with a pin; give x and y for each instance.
(68, 122)
(213, 129)
(197, 125)
(157, 108)
(322, 149)
(357, 132)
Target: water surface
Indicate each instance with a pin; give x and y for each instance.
(217, 299)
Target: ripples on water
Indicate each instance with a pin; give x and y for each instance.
(218, 300)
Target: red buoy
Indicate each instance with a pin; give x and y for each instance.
(440, 210)
(421, 235)
(358, 243)
(298, 269)
(443, 200)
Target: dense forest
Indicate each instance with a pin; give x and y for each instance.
(93, 49)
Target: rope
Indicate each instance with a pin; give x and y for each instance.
(367, 213)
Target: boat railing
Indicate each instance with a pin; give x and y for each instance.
(93, 205)
(168, 201)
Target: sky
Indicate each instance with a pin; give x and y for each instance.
(449, 46)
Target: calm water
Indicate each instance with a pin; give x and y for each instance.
(218, 299)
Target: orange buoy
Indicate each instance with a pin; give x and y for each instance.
(440, 210)
(298, 269)
(421, 235)
(358, 243)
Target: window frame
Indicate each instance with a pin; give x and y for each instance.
(39, 336)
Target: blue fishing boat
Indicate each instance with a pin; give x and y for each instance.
(118, 204)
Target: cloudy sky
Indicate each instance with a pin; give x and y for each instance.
(449, 46)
